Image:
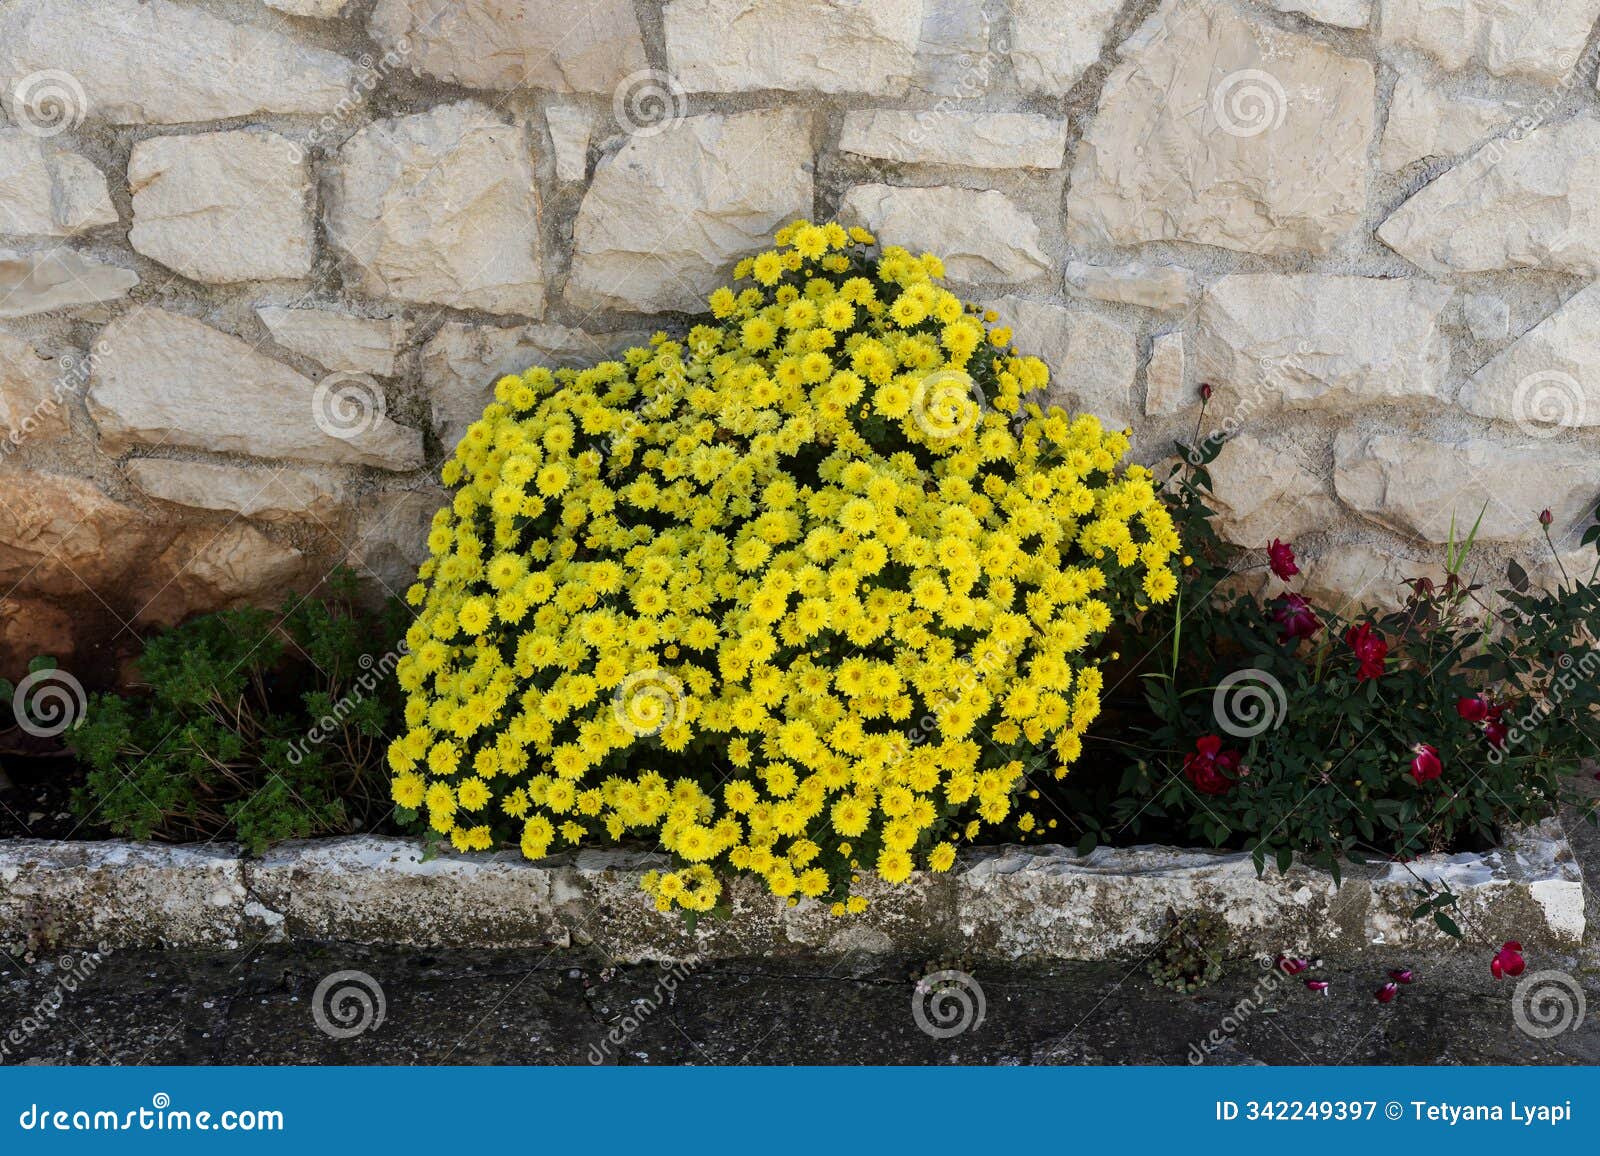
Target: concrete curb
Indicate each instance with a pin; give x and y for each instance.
(1013, 903)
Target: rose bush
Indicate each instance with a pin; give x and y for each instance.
(795, 595)
(1281, 727)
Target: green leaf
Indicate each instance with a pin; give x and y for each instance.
(1517, 576)
(1447, 925)
(41, 662)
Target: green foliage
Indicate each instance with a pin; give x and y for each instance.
(1191, 952)
(257, 726)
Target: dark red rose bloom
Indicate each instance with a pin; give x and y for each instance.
(1291, 965)
(1479, 709)
(1508, 961)
(1370, 649)
(1205, 392)
(1401, 975)
(1546, 517)
(1209, 768)
(1387, 992)
(1320, 986)
(1280, 556)
(1294, 616)
(1426, 765)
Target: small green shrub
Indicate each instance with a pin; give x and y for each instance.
(257, 726)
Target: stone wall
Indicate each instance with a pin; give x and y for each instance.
(260, 260)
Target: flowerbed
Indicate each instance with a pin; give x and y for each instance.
(817, 594)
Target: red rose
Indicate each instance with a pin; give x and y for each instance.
(1370, 649)
(1209, 768)
(1294, 615)
(1480, 709)
(1387, 992)
(1508, 961)
(1280, 556)
(1426, 765)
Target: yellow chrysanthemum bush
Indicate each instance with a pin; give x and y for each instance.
(795, 595)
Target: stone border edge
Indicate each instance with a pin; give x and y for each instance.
(1038, 903)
